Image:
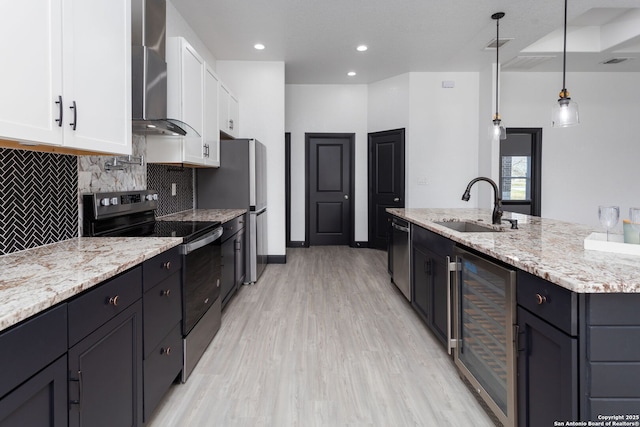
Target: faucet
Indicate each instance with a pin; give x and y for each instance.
(496, 218)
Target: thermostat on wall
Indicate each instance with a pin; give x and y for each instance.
(448, 84)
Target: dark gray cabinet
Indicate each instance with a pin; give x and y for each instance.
(33, 389)
(548, 375)
(105, 355)
(430, 279)
(233, 261)
(162, 307)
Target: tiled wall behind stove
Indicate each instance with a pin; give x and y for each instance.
(38, 199)
(160, 178)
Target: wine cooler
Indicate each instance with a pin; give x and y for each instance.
(484, 332)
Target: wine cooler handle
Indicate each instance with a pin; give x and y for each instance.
(452, 267)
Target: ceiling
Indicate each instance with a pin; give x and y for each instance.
(317, 39)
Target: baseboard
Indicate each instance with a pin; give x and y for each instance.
(360, 244)
(296, 244)
(276, 259)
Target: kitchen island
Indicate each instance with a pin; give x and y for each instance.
(550, 249)
(555, 326)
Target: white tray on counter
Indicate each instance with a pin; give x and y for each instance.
(598, 242)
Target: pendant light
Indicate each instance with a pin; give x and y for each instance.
(497, 130)
(565, 111)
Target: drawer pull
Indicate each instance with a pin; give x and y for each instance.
(114, 300)
(541, 299)
(165, 351)
(166, 265)
(166, 293)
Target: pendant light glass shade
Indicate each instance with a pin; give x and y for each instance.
(565, 111)
(497, 129)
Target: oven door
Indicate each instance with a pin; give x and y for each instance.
(201, 284)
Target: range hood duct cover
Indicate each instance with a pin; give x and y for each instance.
(149, 72)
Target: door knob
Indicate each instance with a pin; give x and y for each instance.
(346, 196)
(397, 199)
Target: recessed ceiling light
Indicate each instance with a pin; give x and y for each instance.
(362, 48)
(258, 46)
(351, 73)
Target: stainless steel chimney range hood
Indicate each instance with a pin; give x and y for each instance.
(149, 72)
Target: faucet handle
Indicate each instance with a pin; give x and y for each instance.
(513, 222)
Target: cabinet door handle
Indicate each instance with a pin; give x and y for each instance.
(518, 336)
(396, 199)
(166, 293)
(75, 116)
(541, 299)
(166, 265)
(114, 300)
(60, 111)
(427, 266)
(79, 381)
(231, 124)
(165, 351)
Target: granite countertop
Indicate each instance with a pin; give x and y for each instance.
(33, 280)
(222, 215)
(551, 249)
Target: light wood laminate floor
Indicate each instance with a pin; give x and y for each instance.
(324, 340)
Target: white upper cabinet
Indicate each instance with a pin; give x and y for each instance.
(228, 112)
(185, 102)
(211, 128)
(69, 79)
(192, 97)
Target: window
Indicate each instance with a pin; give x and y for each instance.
(516, 177)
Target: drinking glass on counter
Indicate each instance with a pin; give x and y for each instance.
(609, 216)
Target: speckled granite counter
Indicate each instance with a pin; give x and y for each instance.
(222, 215)
(551, 249)
(36, 279)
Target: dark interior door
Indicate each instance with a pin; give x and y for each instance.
(520, 170)
(329, 188)
(386, 182)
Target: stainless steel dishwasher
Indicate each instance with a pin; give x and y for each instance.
(401, 259)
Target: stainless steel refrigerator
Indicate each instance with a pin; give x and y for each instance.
(240, 183)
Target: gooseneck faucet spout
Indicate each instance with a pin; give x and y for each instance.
(497, 201)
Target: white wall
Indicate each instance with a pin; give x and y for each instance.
(596, 162)
(326, 109)
(442, 154)
(178, 27)
(388, 104)
(260, 89)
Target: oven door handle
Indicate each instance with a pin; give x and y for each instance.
(204, 241)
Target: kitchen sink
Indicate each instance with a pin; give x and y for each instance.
(469, 227)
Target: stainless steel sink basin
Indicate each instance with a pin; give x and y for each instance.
(469, 227)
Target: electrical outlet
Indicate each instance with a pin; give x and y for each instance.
(174, 189)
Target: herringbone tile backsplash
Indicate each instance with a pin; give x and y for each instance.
(38, 199)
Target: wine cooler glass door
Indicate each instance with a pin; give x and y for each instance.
(485, 319)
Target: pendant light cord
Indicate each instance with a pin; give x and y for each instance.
(564, 54)
(497, 61)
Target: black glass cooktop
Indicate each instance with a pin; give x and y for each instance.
(188, 230)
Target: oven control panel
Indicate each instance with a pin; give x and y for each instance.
(105, 205)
